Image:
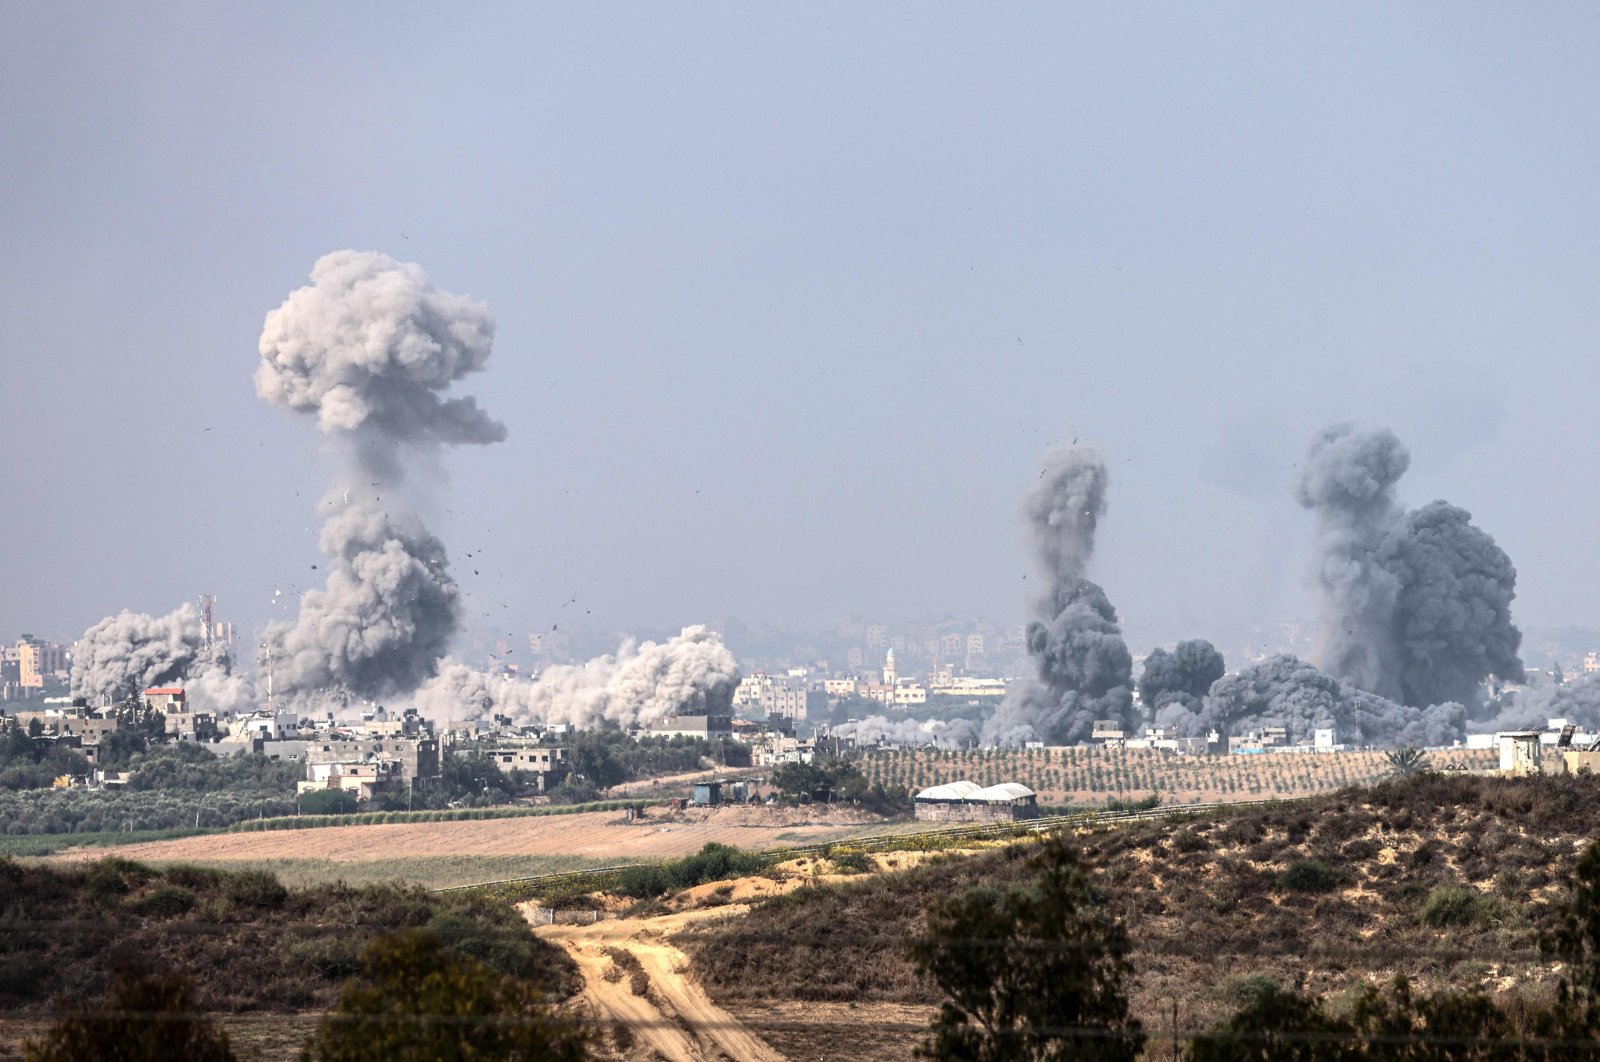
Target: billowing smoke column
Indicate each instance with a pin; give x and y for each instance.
(642, 684)
(1288, 692)
(125, 654)
(1416, 606)
(1084, 670)
(368, 349)
(1183, 676)
(919, 733)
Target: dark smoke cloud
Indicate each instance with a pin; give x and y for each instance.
(369, 348)
(1288, 692)
(1084, 669)
(1184, 675)
(1453, 617)
(1416, 607)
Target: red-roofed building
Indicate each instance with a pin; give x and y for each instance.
(166, 698)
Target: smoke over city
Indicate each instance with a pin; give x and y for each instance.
(1182, 676)
(1288, 692)
(369, 348)
(1415, 606)
(878, 729)
(1083, 669)
(125, 654)
(642, 684)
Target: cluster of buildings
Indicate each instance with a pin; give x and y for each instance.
(374, 755)
(32, 667)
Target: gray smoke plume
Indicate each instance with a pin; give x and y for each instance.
(1184, 675)
(1577, 702)
(918, 733)
(641, 685)
(369, 348)
(125, 654)
(1288, 692)
(1416, 607)
(1084, 670)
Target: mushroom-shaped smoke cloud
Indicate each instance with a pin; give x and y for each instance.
(1084, 670)
(369, 349)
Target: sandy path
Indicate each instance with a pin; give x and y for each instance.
(676, 1019)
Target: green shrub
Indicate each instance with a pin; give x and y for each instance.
(1309, 875)
(643, 882)
(1450, 906)
(850, 862)
(166, 901)
(327, 802)
(334, 956)
(1245, 990)
(192, 877)
(254, 888)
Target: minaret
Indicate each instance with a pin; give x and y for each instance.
(890, 676)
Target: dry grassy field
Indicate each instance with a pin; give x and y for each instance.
(455, 853)
(1093, 775)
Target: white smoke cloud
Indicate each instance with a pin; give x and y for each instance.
(878, 729)
(641, 684)
(123, 655)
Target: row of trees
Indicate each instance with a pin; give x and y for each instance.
(1040, 972)
(832, 781)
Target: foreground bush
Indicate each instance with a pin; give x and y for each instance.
(1036, 971)
(418, 1001)
(145, 1019)
(244, 940)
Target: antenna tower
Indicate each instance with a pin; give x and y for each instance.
(208, 625)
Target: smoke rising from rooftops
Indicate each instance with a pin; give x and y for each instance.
(1288, 692)
(125, 654)
(369, 348)
(642, 684)
(1084, 670)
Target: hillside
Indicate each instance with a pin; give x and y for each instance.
(248, 943)
(1449, 880)
(1092, 775)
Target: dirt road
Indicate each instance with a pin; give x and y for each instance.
(671, 1017)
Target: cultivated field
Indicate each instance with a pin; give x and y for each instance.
(1092, 775)
(455, 853)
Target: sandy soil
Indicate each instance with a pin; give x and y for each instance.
(594, 834)
(673, 1019)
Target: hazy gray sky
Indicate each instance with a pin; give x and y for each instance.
(792, 298)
